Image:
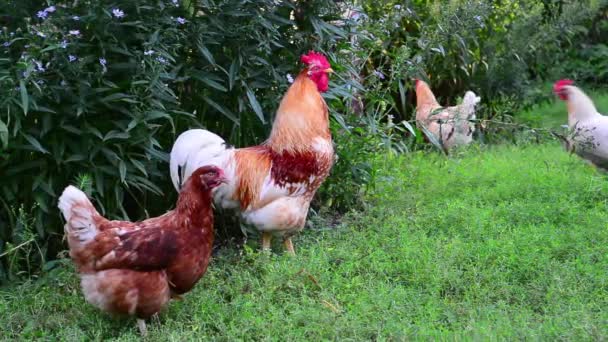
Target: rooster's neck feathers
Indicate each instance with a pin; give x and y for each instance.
(302, 116)
(580, 106)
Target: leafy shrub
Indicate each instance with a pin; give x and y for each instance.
(499, 49)
(99, 90)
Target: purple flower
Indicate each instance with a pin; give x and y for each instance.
(175, 2)
(161, 59)
(181, 20)
(148, 53)
(6, 44)
(379, 74)
(118, 13)
(50, 9)
(42, 14)
(102, 61)
(63, 44)
(74, 32)
(289, 78)
(72, 58)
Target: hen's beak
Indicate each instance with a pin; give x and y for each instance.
(328, 70)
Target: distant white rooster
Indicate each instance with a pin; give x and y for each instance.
(588, 128)
(451, 126)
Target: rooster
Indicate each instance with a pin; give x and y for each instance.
(588, 136)
(135, 268)
(451, 126)
(272, 184)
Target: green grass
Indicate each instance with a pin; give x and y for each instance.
(553, 115)
(509, 243)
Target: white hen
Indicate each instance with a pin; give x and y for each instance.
(588, 128)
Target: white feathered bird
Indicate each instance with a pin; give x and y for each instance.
(588, 136)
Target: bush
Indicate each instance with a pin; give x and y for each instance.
(502, 50)
(95, 93)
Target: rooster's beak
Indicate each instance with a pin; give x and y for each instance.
(328, 70)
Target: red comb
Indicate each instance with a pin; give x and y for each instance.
(561, 83)
(315, 58)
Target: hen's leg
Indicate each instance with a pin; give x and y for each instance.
(266, 237)
(141, 324)
(289, 246)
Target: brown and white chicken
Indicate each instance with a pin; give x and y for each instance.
(450, 126)
(134, 268)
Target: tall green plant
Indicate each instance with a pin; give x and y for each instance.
(100, 90)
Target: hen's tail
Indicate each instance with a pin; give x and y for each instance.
(80, 217)
(192, 149)
(469, 102)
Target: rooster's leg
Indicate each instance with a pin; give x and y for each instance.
(141, 324)
(266, 237)
(289, 246)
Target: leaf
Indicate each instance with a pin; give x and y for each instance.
(3, 134)
(203, 49)
(116, 135)
(222, 110)
(232, 73)
(35, 143)
(122, 168)
(205, 78)
(255, 105)
(25, 98)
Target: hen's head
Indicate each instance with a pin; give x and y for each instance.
(210, 176)
(318, 69)
(560, 88)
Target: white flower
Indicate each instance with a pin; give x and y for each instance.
(76, 18)
(63, 83)
(102, 61)
(12, 34)
(397, 7)
(50, 9)
(72, 58)
(181, 20)
(42, 14)
(74, 32)
(289, 78)
(40, 34)
(39, 66)
(148, 53)
(63, 44)
(161, 59)
(175, 2)
(118, 13)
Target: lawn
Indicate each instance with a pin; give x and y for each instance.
(502, 242)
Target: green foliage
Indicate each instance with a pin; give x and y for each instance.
(95, 92)
(500, 49)
(506, 243)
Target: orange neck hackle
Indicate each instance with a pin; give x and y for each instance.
(302, 116)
